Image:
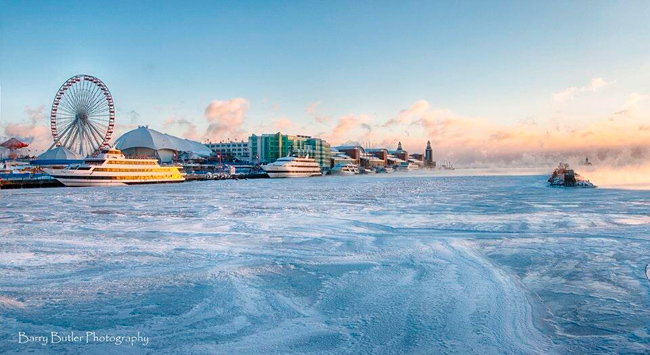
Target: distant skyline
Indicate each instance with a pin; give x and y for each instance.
(484, 81)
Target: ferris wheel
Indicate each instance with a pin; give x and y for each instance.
(83, 115)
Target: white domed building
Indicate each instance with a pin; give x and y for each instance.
(146, 142)
(58, 156)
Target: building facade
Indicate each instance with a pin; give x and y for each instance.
(267, 148)
(380, 153)
(340, 157)
(239, 150)
(144, 142)
(428, 156)
(399, 153)
(353, 151)
(320, 150)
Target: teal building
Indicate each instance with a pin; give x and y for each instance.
(267, 148)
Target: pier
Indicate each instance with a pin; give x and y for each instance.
(31, 181)
(27, 181)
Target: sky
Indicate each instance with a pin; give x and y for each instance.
(502, 81)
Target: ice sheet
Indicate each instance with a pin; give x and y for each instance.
(377, 264)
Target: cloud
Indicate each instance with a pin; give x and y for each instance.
(366, 126)
(282, 124)
(406, 116)
(350, 126)
(564, 96)
(133, 115)
(528, 121)
(500, 136)
(311, 110)
(226, 118)
(568, 94)
(346, 123)
(631, 104)
(634, 99)
(478, 141)
(597, 83)
(33, 130)
(190, 128)
(435, 119)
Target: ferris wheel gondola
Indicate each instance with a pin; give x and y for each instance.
(83, 115)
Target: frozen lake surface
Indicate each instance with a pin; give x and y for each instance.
(359, 265)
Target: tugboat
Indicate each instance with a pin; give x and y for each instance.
(563, 176)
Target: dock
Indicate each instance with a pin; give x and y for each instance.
(31, 181)
(202, 177)
(27, 181)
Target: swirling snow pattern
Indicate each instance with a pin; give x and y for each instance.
(352, 265)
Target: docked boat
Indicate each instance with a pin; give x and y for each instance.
(288, 167)
(366, 171)
(345, 169)
(408, 166)
(111, 168)
(386, 170)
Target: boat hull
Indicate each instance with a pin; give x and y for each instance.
(112, 168)
(86, 180)
(290, 167)
(344, 173)
(89, 183)
(277, 174)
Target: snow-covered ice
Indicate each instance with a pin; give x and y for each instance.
(375, 264)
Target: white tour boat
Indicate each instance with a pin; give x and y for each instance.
(365, 171)
(292, 167)
(413, 166)
(111, 168)
(407, 166)
(345, 169)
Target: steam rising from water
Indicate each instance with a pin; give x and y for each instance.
(627, 177)
(627, 168)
